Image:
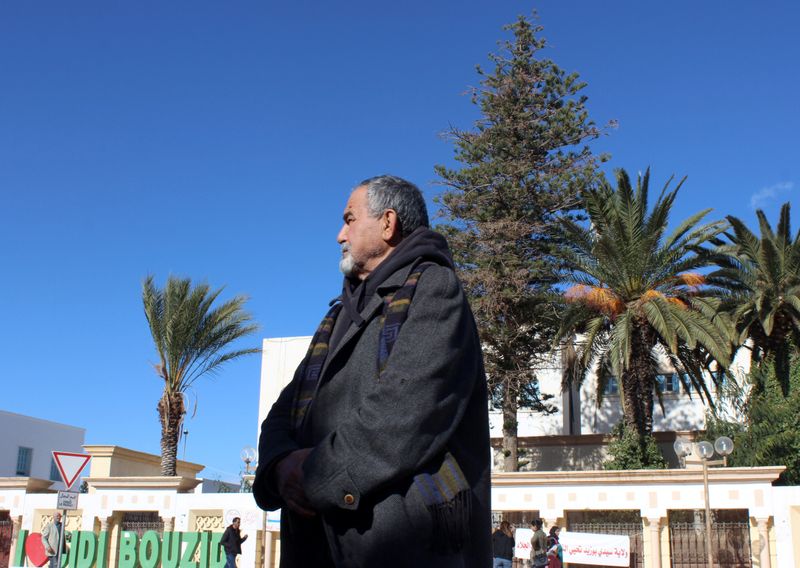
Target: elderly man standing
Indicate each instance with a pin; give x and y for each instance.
(51, 536)
(378, 450)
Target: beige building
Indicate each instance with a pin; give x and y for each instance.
(130, 510)
(756, 523)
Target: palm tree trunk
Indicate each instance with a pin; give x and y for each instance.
(782, 369)
(781, 346)
(638, 382)
(171, 412)
(510, 439)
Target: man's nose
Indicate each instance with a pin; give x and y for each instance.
(342, 236)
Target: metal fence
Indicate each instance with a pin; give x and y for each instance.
(141, 522)
(633, 530)
(6, 530)
(729, 541)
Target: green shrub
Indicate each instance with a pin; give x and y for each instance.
(628, 450)
(770, 432)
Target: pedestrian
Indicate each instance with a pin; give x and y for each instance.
(232, 542)
(555, 554)
(51, 536)
(377, 452)
(503, 546)
(538, 545)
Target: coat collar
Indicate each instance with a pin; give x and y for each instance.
(393, 282)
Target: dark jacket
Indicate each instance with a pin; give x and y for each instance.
(232, 540)
(370, 436)
(502, 545)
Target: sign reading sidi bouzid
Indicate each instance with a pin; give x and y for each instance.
(70, 465)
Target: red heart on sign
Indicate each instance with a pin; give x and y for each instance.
(35, 549)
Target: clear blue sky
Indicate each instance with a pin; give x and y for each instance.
(219, 140)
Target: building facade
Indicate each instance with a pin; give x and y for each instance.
(132, 516)
(27, 443)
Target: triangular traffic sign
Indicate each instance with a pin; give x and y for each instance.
(70, 465)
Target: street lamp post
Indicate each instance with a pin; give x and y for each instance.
(705, 451)
(248, 456)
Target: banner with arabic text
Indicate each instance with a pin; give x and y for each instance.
(522, 541)
(596, 549)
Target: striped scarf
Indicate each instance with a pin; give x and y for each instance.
(312, 366)
(444, 488)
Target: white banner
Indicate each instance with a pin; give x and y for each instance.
(595, 549)
(522, 543)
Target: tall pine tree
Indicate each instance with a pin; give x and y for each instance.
(525, 163)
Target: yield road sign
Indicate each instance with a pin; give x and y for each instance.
(70, 465)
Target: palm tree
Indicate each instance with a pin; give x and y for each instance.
(192, 339)
(637, 295)
(762, 276)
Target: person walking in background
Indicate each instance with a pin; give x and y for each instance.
(555, 555)
(503, 546)
(538, 545)
(232, 543)
(51, 535)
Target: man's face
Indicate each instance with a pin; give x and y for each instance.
(57, 517)
(361, 237)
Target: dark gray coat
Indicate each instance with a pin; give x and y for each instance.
(370, 436)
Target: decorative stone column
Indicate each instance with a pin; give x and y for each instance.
(764, 557)
(105, 523)
(169, 524)
(16, 525)
(549, 523)
(654, 524)
(268, 537)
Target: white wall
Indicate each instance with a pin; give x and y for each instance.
(681, 412)
(168, 504)
(43, 436)
(280, 356)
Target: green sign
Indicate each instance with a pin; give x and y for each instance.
(172, 550)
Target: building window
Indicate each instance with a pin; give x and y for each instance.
(721, 380)
(611, 386)
(54, 474)
(24, 458)
(668, 383)
(665, 383)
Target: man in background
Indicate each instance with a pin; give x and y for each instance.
(51, 536)
(231, 541)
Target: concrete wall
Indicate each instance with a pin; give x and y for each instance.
(184, 512)
(43, 436)
(281, 356)
(774, 512)
(116, 461)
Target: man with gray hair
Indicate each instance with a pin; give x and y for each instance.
(51, 538)
(377, 452)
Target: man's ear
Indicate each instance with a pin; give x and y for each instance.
(390, 227)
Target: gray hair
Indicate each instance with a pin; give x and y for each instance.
(403, 197)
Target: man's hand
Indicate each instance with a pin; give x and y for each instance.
(289, 472)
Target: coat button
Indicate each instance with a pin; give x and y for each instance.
(349, 499)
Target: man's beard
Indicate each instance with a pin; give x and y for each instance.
(347, 264)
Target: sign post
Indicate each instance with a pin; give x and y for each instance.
(70, 465)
